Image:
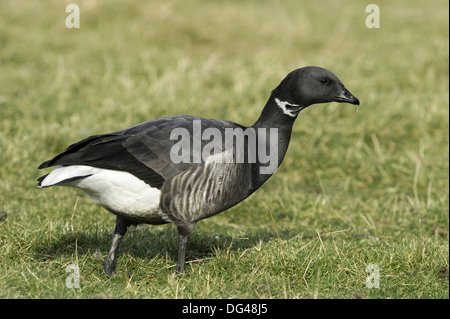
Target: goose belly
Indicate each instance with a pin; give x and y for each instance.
(122, 193)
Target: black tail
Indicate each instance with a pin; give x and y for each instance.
(40, 179)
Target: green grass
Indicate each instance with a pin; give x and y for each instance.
(359, 186)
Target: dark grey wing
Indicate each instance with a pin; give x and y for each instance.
(142, 150)
(106, 151)
(153, 144)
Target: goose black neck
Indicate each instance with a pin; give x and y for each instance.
(272, 117)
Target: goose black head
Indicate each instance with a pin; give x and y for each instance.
(310, 85)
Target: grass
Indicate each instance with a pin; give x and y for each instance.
(359, 186)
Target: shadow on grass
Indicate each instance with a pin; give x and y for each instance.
(149, 242)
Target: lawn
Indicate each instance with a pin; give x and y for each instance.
(359, 186)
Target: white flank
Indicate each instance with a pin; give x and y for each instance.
(118, 191)
(285, 110)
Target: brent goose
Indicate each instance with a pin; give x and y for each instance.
(148, 174)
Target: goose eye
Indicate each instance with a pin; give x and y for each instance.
(324, 81)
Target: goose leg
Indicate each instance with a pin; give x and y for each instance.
(109, 265)
(181, 263)
(184, 233)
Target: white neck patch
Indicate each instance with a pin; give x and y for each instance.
(282, 105)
